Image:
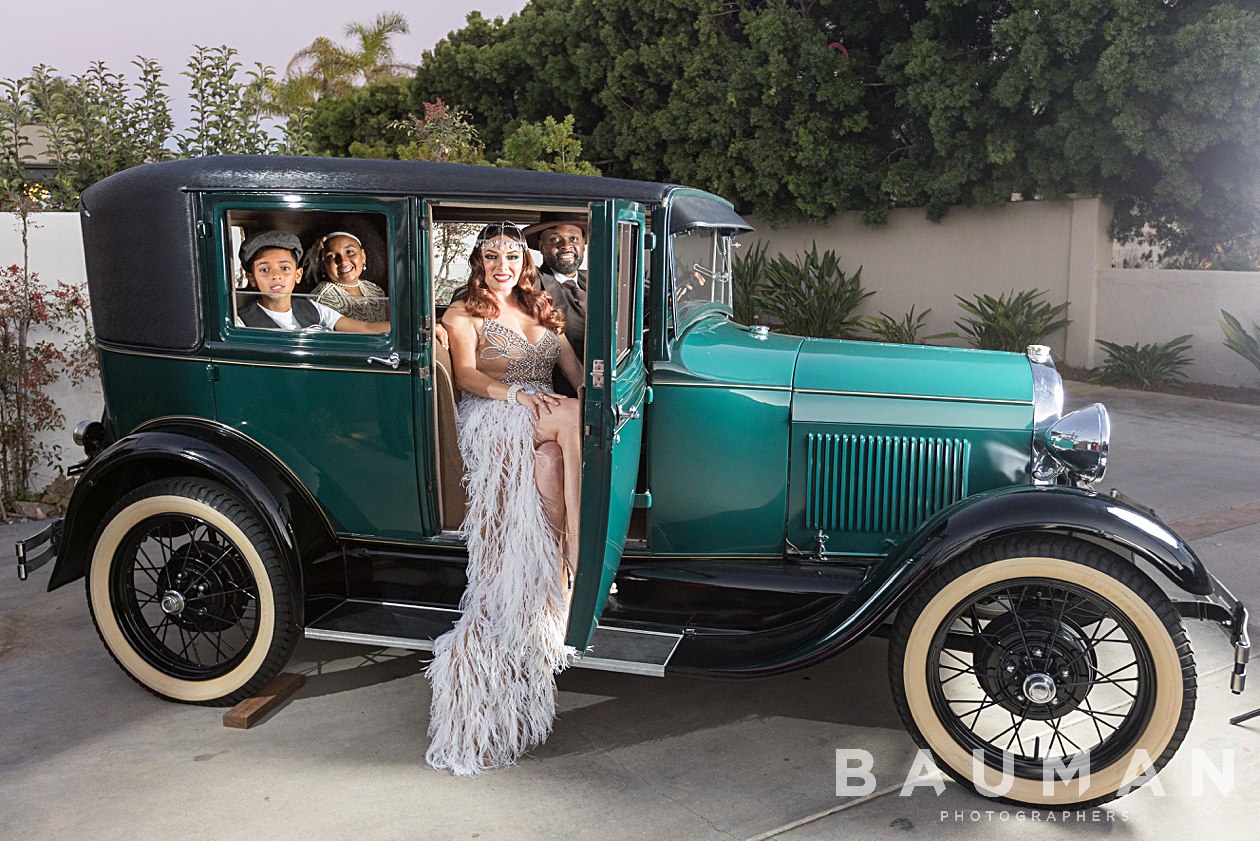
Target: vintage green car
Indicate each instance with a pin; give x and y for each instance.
(752, 502)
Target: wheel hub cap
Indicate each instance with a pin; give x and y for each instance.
(1039, 688)
(172, 603)
(1036, 665)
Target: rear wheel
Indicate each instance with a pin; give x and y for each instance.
(188, 593)
(1039, 655)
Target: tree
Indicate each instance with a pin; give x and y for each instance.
(801, 108)
(93, 125)
(229, 114)
(1152, 104)
(547, 147)
(326, 70)
(442, 134)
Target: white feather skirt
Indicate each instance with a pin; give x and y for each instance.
(494, 690)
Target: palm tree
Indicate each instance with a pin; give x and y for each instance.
(375, 57)
(326, 69)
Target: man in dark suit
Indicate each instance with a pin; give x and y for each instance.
(561, 239)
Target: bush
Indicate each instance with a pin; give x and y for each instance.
(903, 332)
(1145, 366)
(1010, 323)
(1239, 340)
(747, 271)
(811, 296)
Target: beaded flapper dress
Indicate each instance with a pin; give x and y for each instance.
(494, 691)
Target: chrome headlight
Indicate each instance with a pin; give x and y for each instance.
(1047, 387)
(1077, 443)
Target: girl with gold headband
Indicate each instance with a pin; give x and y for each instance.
(494, 693)
(341, 260)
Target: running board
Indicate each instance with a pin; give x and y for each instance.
(414, 628)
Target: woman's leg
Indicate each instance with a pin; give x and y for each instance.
(563, 426)
(549, 476)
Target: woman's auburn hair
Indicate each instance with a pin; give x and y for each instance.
(533, 300)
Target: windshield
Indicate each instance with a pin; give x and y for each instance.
(702, 267)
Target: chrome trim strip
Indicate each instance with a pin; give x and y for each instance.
(368, 639)
(205, 360)
(307, 366)
(439, 541)
(740, 386)
(189, 357)
(622, 666)
(914, 397)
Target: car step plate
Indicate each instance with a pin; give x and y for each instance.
(413, 627)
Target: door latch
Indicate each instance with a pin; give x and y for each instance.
(392, 360)
(621, 414)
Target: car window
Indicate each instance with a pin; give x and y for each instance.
(305, 270)
(627, 273)
(701, 270)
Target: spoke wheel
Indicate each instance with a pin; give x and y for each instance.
(1038, 655)
(188, 593)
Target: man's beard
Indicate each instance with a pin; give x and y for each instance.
(553, 262)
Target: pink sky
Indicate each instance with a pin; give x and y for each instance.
(71, 34)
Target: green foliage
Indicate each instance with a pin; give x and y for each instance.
(325, 70)
(361, 124)
(811, 295)
(904, 331)
(442, 134)
(1009, 322)
(1239, 340)
(229, 113)
(1151, 104)
(93, 125)
(747, 273)
(28, 363)
(547, 147)
(1146, 366)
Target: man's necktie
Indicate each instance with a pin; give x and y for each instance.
(578, 294)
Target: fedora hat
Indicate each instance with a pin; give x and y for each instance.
(551, 220)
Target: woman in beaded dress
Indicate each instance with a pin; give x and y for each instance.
(340, 260)
(493, 674)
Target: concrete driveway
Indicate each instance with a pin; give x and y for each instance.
(86, 753)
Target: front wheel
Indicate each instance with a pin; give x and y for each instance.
(189, 594)
(1022, 663)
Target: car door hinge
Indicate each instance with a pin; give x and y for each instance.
(647, 396)
(641, 500)
(424, 223)
(425, 372)
(597, 373)
(649, 240)
(426, 328)
(203, 228)
(212, 372)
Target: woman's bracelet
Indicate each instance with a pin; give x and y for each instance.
(512, 392)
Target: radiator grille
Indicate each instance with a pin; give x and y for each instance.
(882, 484)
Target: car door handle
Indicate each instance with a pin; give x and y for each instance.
(392, 360)
(622, 414)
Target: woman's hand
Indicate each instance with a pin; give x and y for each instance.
(539, 402)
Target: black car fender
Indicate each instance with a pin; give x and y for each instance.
(203, 449)
(1116, 525)
(1104, 520)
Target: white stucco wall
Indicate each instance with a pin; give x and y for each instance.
(911, 261)
(1061, 247)
(56, 253)
(1157, 305)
